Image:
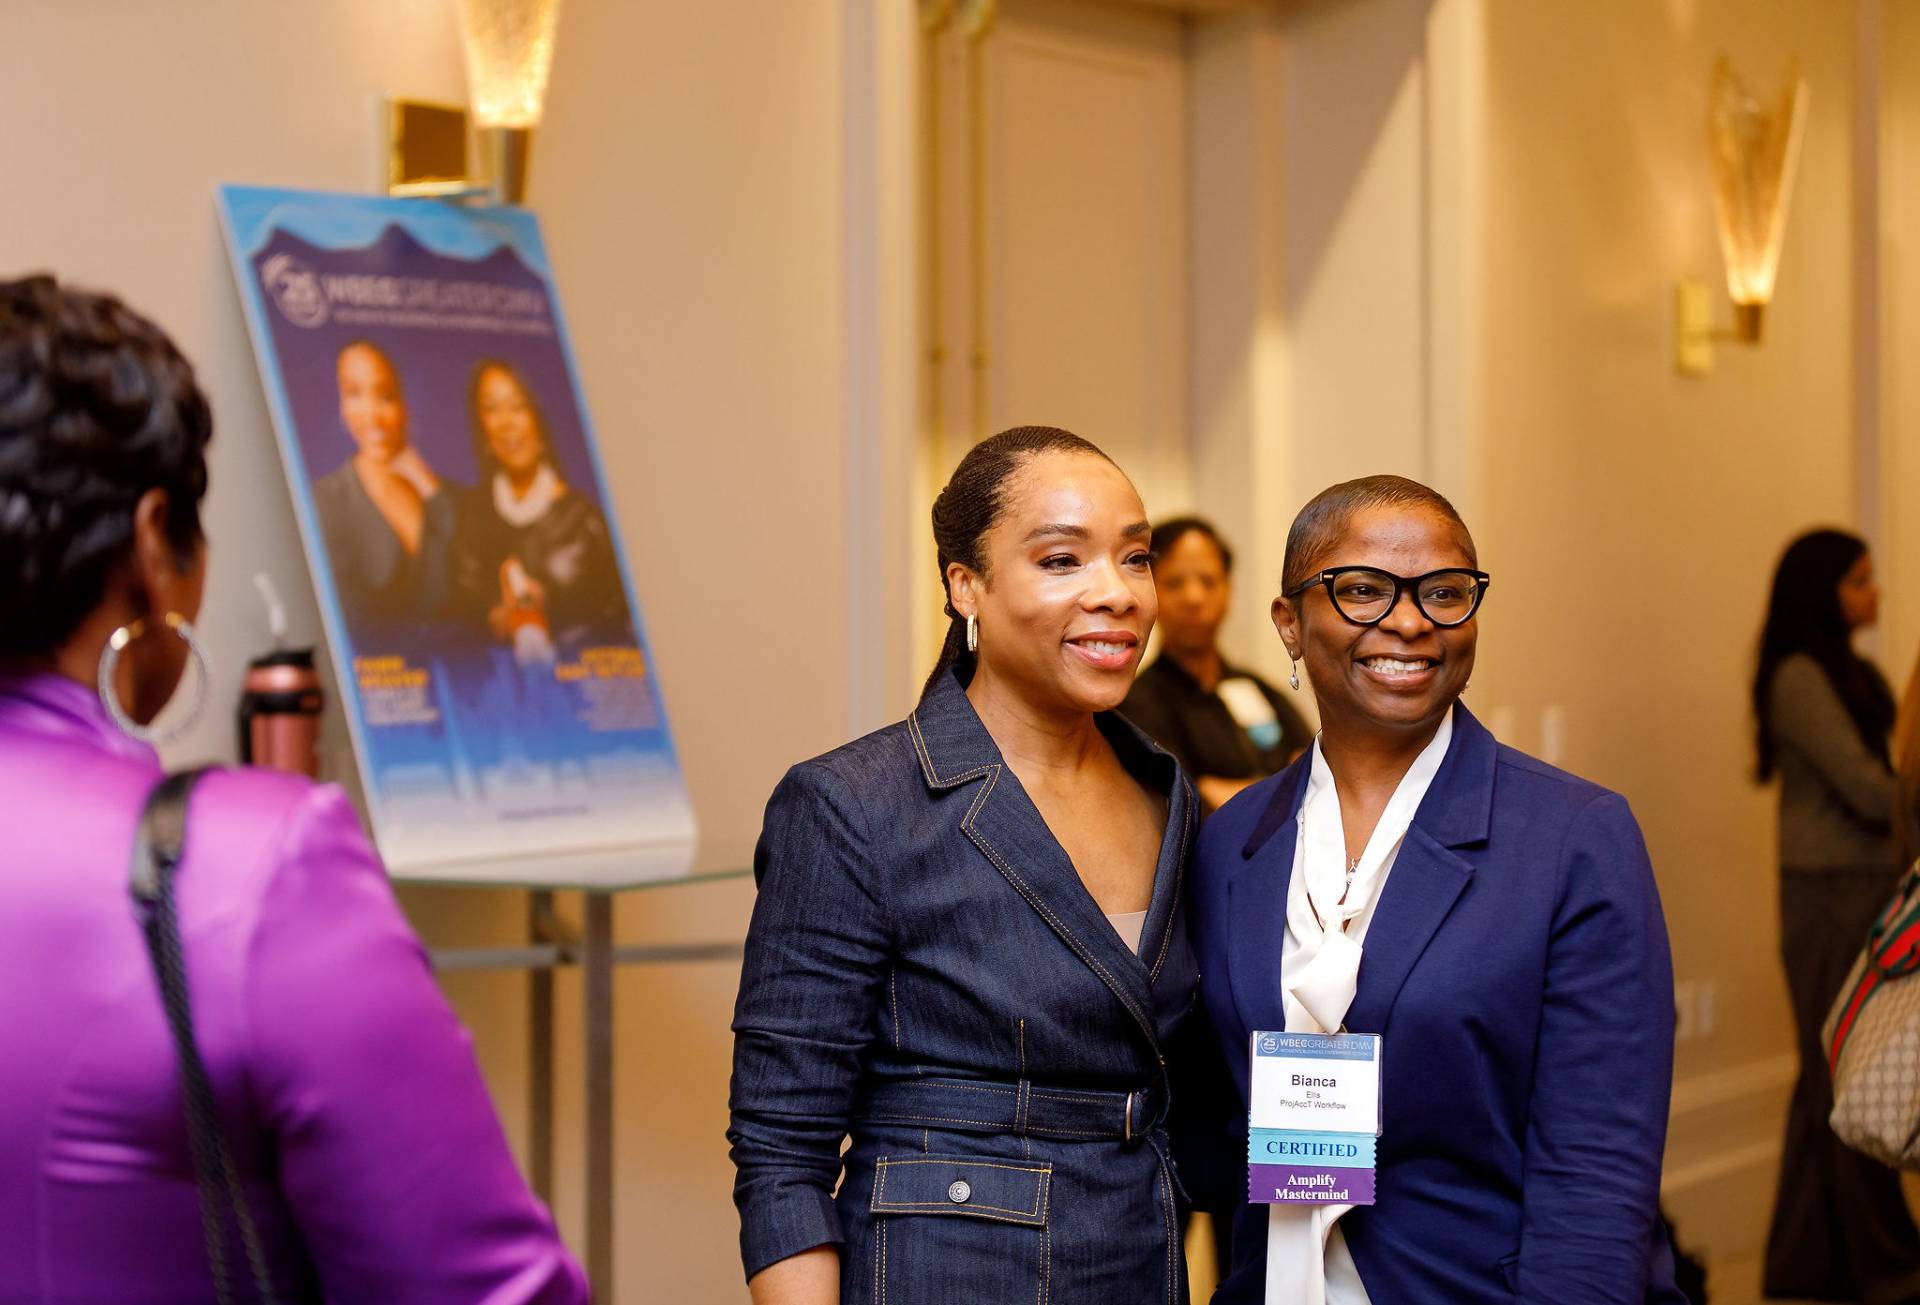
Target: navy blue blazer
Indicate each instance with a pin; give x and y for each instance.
(928, 981)
(1517, 966)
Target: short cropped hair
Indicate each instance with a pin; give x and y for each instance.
(1327, 515)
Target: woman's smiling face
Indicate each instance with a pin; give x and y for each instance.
(507, 420)
(372, 406)
(1404, 673)
(1067, 600)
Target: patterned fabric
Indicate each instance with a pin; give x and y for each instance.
(1873, 1038)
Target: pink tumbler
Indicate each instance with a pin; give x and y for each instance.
(280, 703)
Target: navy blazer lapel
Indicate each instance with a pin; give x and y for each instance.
(954, 748)
(1425, 882)
(1257, 904)
(1428, 876)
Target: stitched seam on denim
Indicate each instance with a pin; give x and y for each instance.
(1046, 912)
(1179, 878)
(971, 1164)
(1117, 1100)
(1022, 1105)
(883, 1262)
(901, 1116)
(1166, 1191)
(926, 758)
(971, 1208)
(893, 996)
(1046, 1260)
(1022, 1221)
(966, 1087)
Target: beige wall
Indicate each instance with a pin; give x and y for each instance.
(1610, 474)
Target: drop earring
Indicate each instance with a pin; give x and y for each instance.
(973, 633)
(1293, 676)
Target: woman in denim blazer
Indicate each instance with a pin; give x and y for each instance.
(931, 968)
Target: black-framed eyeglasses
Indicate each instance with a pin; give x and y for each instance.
(1364, 594)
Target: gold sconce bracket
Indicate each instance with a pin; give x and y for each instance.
(430, 150)
(1694, 332)
(426, 149)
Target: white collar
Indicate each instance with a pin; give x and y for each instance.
(1327, 913)
(545, 491)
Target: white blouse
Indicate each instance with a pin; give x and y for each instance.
(1329, 906)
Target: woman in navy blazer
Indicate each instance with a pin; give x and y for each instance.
(935, 969)
(1516, 961)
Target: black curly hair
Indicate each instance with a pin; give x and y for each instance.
(971, 503)
(97, 406)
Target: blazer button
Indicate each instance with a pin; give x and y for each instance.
(960, 1193)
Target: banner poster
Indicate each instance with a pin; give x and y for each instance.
(479, 609)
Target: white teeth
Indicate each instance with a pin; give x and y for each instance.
(1394, 666)
(1103, 649)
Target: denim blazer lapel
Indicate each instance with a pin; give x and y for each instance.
(954, 749)
(1428, 877)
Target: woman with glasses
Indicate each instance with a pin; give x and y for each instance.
(1493, 919)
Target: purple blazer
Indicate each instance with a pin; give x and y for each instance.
(348, 1090)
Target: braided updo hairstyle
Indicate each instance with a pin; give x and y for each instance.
(972, 502)
(97, 407)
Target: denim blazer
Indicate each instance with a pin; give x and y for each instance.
(1517, 966)
(926, 973)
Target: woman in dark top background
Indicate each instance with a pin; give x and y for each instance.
(1840, 1229)
(1228, 727)
(530, 550)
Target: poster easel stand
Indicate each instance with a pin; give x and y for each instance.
(553, 944)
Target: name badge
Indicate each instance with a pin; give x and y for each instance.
(1250, 711)
(1314, 1122)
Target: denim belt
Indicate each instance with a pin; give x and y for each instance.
(1022, 1108)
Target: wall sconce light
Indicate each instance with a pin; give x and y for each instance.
(1755, 150)
(509, 46)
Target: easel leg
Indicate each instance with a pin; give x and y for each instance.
(597, 982)
(540, 1051)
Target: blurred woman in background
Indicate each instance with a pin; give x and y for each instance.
(1840, 1228)
(1228, 727)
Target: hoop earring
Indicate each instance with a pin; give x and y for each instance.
(110, 661)
(973, 633)
(1293, 677)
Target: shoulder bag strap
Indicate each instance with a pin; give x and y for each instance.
(156, 854)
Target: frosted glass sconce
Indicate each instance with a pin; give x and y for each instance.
(1754, 149)
(509, 49)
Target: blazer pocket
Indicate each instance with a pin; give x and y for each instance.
(969, 1187)
(955, 1227)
